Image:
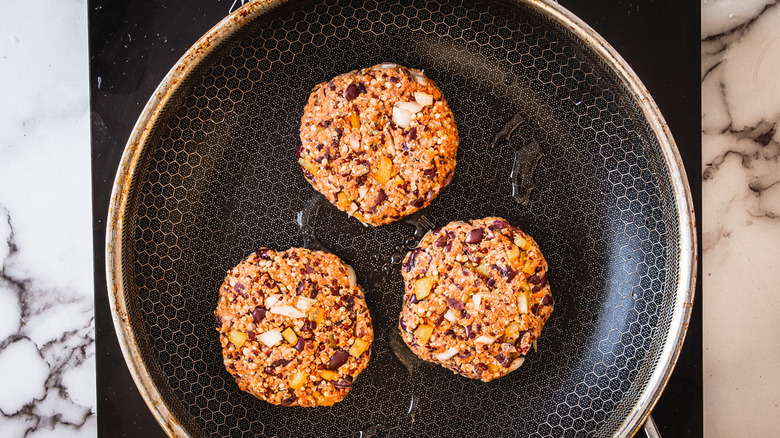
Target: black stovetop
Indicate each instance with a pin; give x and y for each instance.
(133, 44)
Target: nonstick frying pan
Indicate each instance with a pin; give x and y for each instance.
(557, 135)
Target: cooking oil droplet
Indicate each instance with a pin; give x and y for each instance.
(420, 223)
(410, 242)
(508, 80)
(413, 407)
(387, 269)
(402, 352)
(526, 159)
(505, 133)
(371, 431)
(396, 258)
(305, 220)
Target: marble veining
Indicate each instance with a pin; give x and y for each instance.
(740, 45)
(47, 349)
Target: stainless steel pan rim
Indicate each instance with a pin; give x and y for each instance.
(130, 159)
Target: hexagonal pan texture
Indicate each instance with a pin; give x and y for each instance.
(210, 174)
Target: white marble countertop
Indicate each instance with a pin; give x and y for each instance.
(741, 217)
(47, 349)
(47, 372)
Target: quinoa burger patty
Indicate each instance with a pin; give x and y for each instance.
(476, 298)
(294, 327)
(379, 143)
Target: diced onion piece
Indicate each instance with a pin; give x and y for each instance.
(522, 242)
(322, 400)
(237, 338)
(328, 374)
(297, 380)
(342, 200)
(401, 118)
(290, 311)
(384, 170)
(308, 165)
(529, 267)
(388, 65)
(534, 344)
(450, 316)
(477, 299)
(271, 337)
(485, 339)
(316, 314)
(422, 98)
(522, 303)
(354, 120)
(354, 143)
(358, 348)
(513, 253)
(422, 288)
(305, 303)
(360, 217)
(352, 208)
(270, 300)
(352, 276)
(483, 269)
(447, 355)
(412, 107)
(423, 333)
(419, 77)
(512, 330)
(289, 335)
(362, 191)
(516, 363)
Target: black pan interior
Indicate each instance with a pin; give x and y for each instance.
(218, 179)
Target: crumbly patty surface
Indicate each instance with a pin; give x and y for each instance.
(477, 297)
(294, 327)
(379, 143)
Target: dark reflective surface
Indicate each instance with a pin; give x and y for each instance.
(133, 48)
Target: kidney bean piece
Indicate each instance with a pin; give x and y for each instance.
(280, 362)
(547, 300)
(338, 359)
(289, 400)
(537, 281)
(263, 253)
(503, 360)
(475, 236)
(380, 197)
(301, 344)
(351, 92)
(499, 225)
(258, 314)
(342, 384)
(455, 303)
(412, 259)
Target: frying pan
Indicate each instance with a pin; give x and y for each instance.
(557, 135)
